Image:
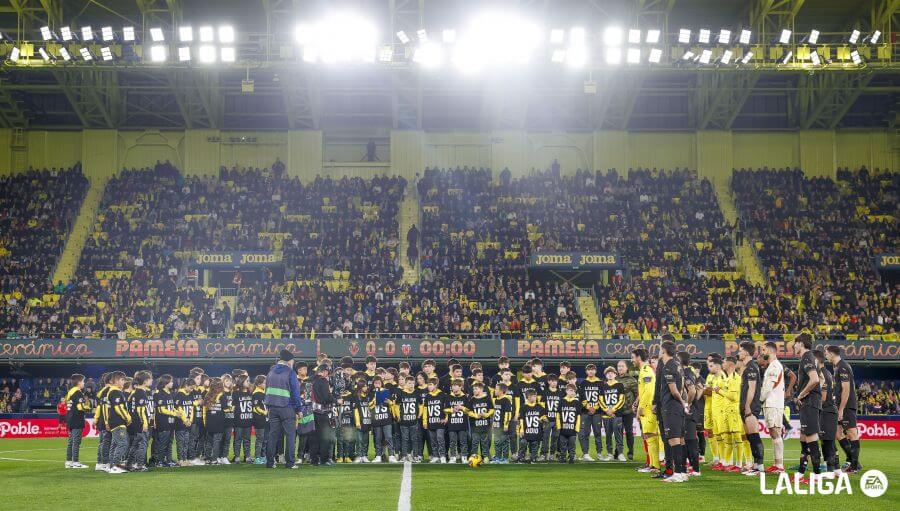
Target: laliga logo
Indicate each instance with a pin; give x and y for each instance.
(873, 483)
(24, 428)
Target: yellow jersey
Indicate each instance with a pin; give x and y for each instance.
(732, 390)
(646, 387)
(708, 404)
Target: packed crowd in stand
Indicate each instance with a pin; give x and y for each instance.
(476, 241)
(816, 238)
(341, 273)
(37, 210)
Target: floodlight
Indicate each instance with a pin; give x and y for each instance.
(66, 33)
(207, 34)
(156, 34)
(813, 37)
(876, 35)
(449, 35)
(185, 34)
(106, 53)
(44, 54)
(688, 55)
(304, 34)
(633, 56)
(787, 58)
(14, 54)
(655, 55)
(386, 53)
(576, 56)
(128, 34)
(228, 54)
(652, 36)
(612, 36)
(747, 57)
(46, 33)
(814, 57)
(705, 56)
(576, 35)
(745, 37)
(158, 53)
(184, 54)
(226, 34)
(557, 36)
(855, 57)
(724, 36)
(726, 56)
(684, 36)
(854, 37)
(107, 34)
(87, 34)
(422, 34)
(558, 56)
(785, 37)
(403, 37)
(64, 53)
(614, 56)
(704, 36)
(429, 55)
(207, 53)
(85, 54)
(634, 36)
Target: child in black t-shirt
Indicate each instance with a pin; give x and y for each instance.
(214, 406)
(435, 421)
(362, 419)
(458, 422)
(76, 406)
(382, 420)
(568, 423)
(532, 416)
(480, 411)
(260, 419)
(184, 404)
(501, 423)
(242, 400)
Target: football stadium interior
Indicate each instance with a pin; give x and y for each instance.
(561, 184)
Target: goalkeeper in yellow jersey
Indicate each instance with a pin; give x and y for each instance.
(643, 408)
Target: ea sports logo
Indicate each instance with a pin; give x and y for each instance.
(873, 483)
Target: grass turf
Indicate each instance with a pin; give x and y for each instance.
(34, 478)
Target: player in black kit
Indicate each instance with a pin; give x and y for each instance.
(809, 402)
(845, 400)
(750, 406)
(828, 421)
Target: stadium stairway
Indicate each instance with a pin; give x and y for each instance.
(84, 226)
(409, 216)
(588, 310)
(747, 262)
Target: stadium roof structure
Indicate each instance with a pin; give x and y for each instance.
(778, 89)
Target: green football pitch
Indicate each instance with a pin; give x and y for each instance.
(33, 477)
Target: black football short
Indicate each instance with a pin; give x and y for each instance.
(828, 424)
(673, 424)
(690, 427)
(809, 420)
(849, 419)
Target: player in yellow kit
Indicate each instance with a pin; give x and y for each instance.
(715, 416)
(729, 417)
(708, 425)
(644, 409)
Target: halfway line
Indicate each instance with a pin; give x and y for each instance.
(403, 503)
